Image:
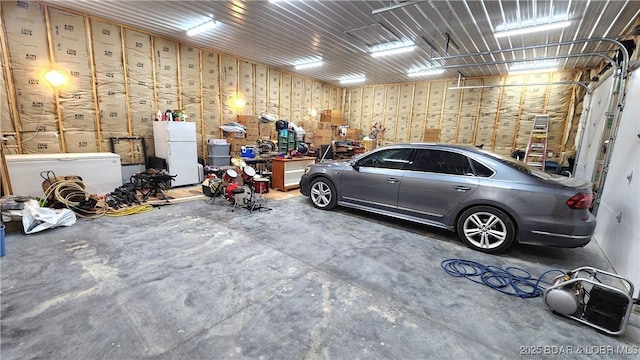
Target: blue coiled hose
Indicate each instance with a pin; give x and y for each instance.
(511, 280)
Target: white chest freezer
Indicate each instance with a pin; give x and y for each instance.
(101, 173)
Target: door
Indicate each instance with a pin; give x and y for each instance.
(438, 181)
(181, 131)
(182, 160)
(376, 178)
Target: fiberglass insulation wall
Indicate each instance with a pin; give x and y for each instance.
(118, 79)
(501, 118)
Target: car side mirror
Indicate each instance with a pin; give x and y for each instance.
(355, 166)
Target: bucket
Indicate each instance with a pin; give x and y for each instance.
(2, 248)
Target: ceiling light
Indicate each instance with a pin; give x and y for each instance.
(533, 67)
(309, 65)
(523, 28)
(352, 79)
(55, 78)
(426, 72)
(209, 24)
(393, 51)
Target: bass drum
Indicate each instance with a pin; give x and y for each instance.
(243, 198)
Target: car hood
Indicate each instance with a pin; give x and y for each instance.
(330, 164)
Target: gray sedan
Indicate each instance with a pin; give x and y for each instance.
(489, 200)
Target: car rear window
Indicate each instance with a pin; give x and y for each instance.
(517, 164)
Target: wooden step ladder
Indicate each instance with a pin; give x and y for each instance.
(537, 148)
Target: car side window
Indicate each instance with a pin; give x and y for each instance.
(387, 159)
(481, 170)
(442, 162)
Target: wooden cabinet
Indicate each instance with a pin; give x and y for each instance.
(286, 173)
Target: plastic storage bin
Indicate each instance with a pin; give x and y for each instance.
(218, 160)
(219, 149)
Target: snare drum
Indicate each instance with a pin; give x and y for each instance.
(248, 173)
(261, 185)
(229, 176)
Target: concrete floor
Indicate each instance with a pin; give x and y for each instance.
(197, 281)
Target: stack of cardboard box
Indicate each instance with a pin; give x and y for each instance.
(333, 117)
(324, 134)
(256, 130)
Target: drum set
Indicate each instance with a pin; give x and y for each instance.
(241, 186)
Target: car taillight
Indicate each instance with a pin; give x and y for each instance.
(580, 201)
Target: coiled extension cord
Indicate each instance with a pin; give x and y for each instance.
(511, 280)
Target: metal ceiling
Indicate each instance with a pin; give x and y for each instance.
(281, 33)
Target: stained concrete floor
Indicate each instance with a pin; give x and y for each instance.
(197, 281)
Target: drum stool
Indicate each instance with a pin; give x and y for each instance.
(235, 192)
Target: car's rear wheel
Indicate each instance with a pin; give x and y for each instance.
(486, 229)
(323, 194)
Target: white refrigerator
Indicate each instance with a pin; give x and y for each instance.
(175, 141)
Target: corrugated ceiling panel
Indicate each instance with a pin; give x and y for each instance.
(280, 34)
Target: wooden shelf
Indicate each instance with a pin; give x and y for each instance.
(286, 173)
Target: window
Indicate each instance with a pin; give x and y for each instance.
(481, 170)
(388, 159)
(442, 162)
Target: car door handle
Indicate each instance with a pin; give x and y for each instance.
(392, 180)
(461, 188)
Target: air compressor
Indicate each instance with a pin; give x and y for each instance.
(593, 297)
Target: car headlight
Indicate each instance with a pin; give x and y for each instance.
(306, 169)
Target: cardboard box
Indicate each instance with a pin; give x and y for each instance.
(237, 144)
(431, 135)
(248, 119)
(324, 126)
(265, 128)
(253, 130)
(234, 135)
(333, 117)
(323, 137)
(331, 112)
(337, 120)
(309, 136)
(354, 134)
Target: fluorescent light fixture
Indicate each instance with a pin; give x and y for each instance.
(426, 72)
(529, 67)
(393, 51)
(309, 65)
(209, 24)
(352, 79)
(528, 27)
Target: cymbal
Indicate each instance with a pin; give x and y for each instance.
(238, 162)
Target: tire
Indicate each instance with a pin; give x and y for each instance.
(323, 194)
(486, 229)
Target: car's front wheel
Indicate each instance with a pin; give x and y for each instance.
(323, 194)
(486, 229)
